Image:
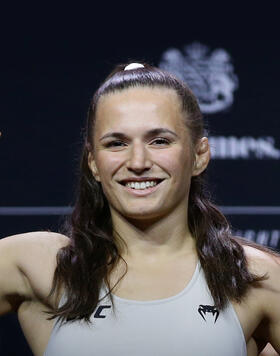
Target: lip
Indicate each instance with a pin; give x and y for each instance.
(143, 192)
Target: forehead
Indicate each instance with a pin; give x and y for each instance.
(138, 106)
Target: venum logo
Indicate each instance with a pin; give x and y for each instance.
(208, 309)
(209, 75)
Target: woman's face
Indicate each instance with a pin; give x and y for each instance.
(135, 151)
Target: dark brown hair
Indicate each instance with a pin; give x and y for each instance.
(94, 250)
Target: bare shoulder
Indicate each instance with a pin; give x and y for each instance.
(29, 246)
(38, 247)
(261, 263)
(43, 238)
(36, 259)
(27, 263)
(37, 237)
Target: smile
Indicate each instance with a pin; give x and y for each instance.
(142, 192)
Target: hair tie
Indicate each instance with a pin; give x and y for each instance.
(134, 66)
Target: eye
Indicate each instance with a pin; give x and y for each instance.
(117, 142)
(162, 140)
(109, 144)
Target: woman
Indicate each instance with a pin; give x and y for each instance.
(147, 264)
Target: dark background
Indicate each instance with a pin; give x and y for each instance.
(47, 83)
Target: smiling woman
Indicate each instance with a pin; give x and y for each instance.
(139, 152)
(142, 203)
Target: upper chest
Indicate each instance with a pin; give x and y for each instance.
(139, 283)
(170, 280)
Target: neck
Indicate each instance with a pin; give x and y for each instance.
(153, 241)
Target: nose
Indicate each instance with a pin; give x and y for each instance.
(139, 158)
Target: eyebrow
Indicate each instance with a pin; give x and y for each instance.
(148, 134)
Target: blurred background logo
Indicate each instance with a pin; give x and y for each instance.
(210, 75)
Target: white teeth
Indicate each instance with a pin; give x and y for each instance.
(142, 185)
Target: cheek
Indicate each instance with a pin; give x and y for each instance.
(107, 164)
(180, 166)
(179, 156)
(170, 163)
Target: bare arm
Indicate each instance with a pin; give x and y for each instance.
(20, 258)
(14, 286)
(271, 334)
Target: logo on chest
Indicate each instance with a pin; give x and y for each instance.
(204, 311)
(99, 310)
(208, 310)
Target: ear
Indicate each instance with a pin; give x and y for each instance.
(93, 167)
(202, 156)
